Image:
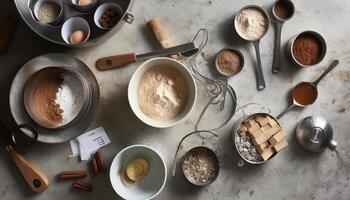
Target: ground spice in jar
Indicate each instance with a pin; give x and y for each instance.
(109, 19)
(48, 12)
(304, 93)
(200, 165)
(307, 49)
(229, 62)
(283, 9)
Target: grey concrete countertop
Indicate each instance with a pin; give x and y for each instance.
(292, 174)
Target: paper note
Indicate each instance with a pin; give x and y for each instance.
(88, 143)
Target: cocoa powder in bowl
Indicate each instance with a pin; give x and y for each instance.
(307, 49)
(50, 94)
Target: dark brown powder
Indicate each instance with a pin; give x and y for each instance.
(229, 62)
(307, 49)
(283, 9)
(46, 99)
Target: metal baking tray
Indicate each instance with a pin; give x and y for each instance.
(53, 33)
(18, 110)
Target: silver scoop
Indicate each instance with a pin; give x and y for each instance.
(276, 64)
(256, 42)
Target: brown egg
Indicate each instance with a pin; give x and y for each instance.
(84, 2)
(77, 37)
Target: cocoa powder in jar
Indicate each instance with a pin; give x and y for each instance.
(307, 49)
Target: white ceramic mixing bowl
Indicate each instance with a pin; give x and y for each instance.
(134, 85)
(147, 188)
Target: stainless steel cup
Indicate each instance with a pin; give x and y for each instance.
(290, 45)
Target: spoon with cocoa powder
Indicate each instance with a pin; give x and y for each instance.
(305, 93)
(228, 63)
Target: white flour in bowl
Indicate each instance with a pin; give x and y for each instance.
(70, 99)
(251, 23)
(162, 93)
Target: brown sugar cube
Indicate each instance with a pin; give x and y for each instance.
(260, 148)
(281, 145)
(250, 123)
(261, 139)
(272, 122)
(255, 132)
(242, 128)
(272, 131)
(267, 153)
(277, 138)
(262, 120)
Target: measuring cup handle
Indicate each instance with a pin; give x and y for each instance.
(276, 64)
(285, 111)
(330, 68)
(259, 73)
(32, 138)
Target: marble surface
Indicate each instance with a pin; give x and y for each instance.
(292, 174)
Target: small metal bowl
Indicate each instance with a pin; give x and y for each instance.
(236, 51)
(320, 39)
(32, 88)
(288, 3)
(235, 142)
(210, 153)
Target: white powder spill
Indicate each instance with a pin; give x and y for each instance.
(70, 99)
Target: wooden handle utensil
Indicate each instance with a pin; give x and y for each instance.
(116, 61)
(112, 62)
(36, 180)
(162, 36)
(6, 33)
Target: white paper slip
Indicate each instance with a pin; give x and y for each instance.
(88, 143)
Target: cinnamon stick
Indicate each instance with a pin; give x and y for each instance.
(73, 174)
(100, 162)
(82, 186)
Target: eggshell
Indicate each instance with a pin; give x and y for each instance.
(84, 2)
(77, 37)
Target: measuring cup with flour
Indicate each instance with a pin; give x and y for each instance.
(251, 24)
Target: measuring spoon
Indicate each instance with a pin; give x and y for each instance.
(279, 19)
(299, 92)
(256, 42)
(225, 75)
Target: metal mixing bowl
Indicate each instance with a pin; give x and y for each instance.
(31, 92)
(210, 153)
(53, 33)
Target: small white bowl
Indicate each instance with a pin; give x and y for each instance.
(103, 8)
(58, 19)
(83, 8)
(74, 24)
(134, 85)
(151, 185)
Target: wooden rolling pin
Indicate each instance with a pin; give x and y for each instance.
(6, 33)
(162, 36)
(36, 180)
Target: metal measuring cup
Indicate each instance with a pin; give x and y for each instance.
(226, 76)
(256, 42)
(313, 86)
(276, 64)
